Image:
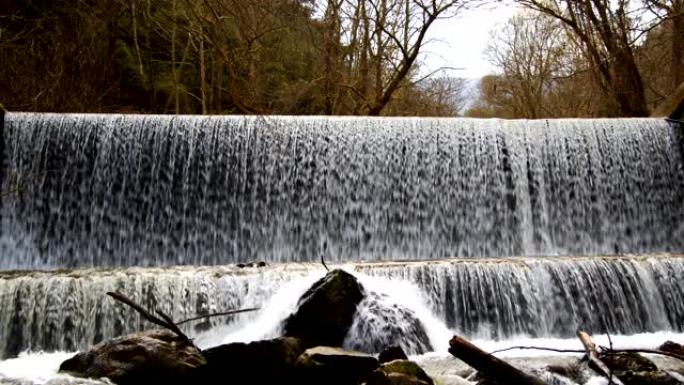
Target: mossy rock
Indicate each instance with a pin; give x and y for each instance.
(399, 372)
(334, 366)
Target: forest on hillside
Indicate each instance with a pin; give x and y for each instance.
(555, 58)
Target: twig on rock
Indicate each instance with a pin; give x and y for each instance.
(537, 348)
(217, 315)
(646, 351)
(614, 351)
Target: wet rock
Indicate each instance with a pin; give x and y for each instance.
(380, 322)
(635, 369)
(647, 378)
(572, 372)
(628, 362)
(672, 347)
(326, 311)
(329, 365)
(152, 357)
(261, 362)
(392, 353)
(399, 372)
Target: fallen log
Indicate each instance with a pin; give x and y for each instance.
(594, 361)
(493, 368)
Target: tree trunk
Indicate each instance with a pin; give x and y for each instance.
(677, 42)
(627, 85)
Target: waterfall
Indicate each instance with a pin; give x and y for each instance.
(69, 311)
(493, 299)
(130, 190)
(544, 297)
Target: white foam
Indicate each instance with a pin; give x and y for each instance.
(409, 296)
(268, 322)
(636, 341)
(37, 368)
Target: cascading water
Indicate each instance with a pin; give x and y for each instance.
(69, 311)
(539, 297)
(124, 190)
(544, 297)
(115, 191)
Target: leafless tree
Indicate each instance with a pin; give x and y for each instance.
(605, 31)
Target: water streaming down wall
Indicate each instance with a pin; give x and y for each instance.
(69, 311)
(550, 297)
(125, 190)
(540, 297)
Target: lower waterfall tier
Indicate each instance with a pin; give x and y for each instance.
(497, 298)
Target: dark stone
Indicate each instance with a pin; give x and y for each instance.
(672, 347)
(635, 369)
(326, 311)
(261, 362)
(628, 362)
(152, 357)
(392, 353)
(334, 366)
(572, 372)
(399, 372)
(647, 378)
(261, 264)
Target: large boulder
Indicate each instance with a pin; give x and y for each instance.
(326, 311)
(261, 362)
(334, 366)
(151, 357)
(399, 372)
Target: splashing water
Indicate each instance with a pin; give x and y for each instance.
(395, 313)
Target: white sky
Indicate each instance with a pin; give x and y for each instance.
(461, 41)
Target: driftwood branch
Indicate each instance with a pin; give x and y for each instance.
(594, 360)
(165, 322)
(490, 366)
(646, 351)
